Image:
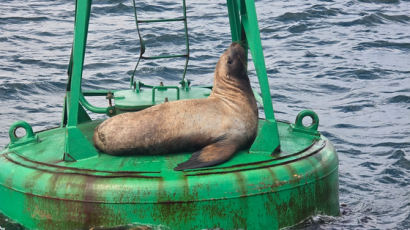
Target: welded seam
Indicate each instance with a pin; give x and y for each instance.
(114, 174)
(72, 168)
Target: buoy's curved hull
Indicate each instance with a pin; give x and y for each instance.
(261, 195)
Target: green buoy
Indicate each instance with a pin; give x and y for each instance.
(56, 179)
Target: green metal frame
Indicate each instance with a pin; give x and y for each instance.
(244, 28)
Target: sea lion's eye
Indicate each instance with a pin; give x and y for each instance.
(229, 61)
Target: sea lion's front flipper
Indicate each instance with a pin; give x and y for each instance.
(210, 155)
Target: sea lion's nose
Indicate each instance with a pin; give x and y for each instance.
(236, 50)
(235, 45)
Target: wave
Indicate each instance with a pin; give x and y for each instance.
(381, 1)
(384, 44)
(347, 126)
(314, 12)
(402, 163)
(353, 108)
(112, 9)
(363, 74)
(370, 165)
(399, 99)
(21, 20)
(20, 89)
(400, 145)
(39, 63)
(300, 28)
(375, 19)
(395, 18)
(368, 20)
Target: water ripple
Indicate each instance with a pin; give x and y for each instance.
(399, 99)
(314, 12)
(384, 44)
(21, 20)
(380, 1)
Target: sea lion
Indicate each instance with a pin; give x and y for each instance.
(215, 127)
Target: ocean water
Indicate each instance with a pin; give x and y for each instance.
(349, 61)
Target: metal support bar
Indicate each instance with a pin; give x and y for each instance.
(77, 145)
(80, 37)
(244, 28)
(234, 20)
(250, 24)
(97, 92)
(162, 20)
(91, 107)
(186, 41)
(164, 56)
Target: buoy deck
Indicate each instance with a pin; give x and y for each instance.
(49, 151)
(260, 190)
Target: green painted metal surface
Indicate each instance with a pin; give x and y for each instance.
(130, 100)
(56, 179)
(251, 191)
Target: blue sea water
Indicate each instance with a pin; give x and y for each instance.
(347, 60)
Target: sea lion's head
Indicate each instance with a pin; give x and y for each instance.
(232, 63)
(231, 74)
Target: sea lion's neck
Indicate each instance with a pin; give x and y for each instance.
(229, 86)
(232, 89)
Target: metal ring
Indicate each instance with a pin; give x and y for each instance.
(307, 113)
(20, 124)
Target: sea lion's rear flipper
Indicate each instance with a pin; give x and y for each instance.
(210, 155)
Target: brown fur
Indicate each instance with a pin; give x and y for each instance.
(217, 126)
